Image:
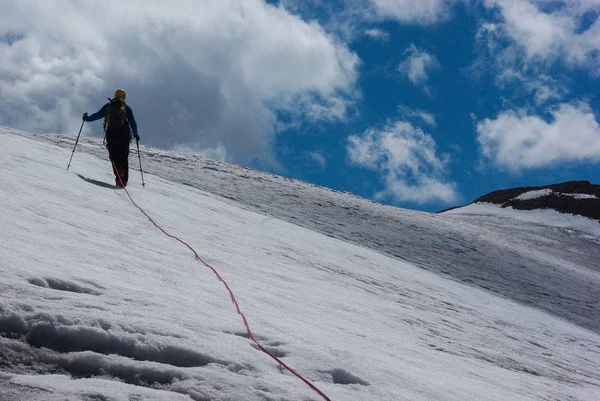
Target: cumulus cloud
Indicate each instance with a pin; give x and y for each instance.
(407, 161)
(516, 140)
(526, 44)
(414, 11)
(212, 75)
(347, 18)
(546, 33)
(417, 65)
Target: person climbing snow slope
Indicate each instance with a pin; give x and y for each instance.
(119, 123)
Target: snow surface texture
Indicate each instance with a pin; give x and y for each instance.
(97, 304)
(546, 217)
(553, 264)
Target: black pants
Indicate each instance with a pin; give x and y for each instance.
(119, 154)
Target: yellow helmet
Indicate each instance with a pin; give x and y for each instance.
(120, 93)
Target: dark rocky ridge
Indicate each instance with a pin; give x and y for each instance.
(560, 199)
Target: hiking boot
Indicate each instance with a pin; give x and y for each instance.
(120, 180)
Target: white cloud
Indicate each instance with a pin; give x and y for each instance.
(407, 112)
(522, 48)
(217, 153)
(347, 18)
(546, 89)
(414, 11)
(516, 140)
(539, 33)
(197, 76)
(548, 34)
(543, 87)
(417, 65)
(377, 34)
(318, 158)
(406, 158)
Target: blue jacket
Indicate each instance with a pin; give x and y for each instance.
(102, 113)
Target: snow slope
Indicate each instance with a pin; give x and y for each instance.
(97, 304)
(585, 227)
(486, 251)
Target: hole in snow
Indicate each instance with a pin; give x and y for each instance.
(340, 376)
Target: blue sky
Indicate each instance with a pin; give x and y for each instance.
(418, 104)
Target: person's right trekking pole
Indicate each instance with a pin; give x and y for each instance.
(72, 153)
(137, 142)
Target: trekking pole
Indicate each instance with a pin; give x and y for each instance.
(137, 142)
(72, 153)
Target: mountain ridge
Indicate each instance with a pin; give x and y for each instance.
(563, 197)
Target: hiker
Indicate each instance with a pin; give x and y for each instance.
(118, 125)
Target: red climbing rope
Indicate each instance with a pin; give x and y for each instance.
(235, 302)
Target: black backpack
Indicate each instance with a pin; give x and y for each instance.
(116, 125)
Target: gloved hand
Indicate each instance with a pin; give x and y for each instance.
(136, 136)
(85, 116)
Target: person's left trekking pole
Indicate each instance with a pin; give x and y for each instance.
(69, 165)
(137, 142)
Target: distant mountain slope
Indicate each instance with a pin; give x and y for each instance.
(496, 253)
(574, 197)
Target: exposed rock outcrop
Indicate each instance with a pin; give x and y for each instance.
(574, 197)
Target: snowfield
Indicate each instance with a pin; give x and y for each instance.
(547, 217)
(535, 194)
(545, 192)
(367, 302)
